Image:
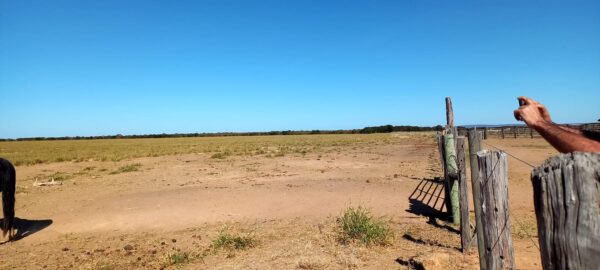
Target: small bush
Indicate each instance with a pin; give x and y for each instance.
(357, 224)
(230, 241)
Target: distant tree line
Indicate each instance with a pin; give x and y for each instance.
(367, 130)
(390, 128)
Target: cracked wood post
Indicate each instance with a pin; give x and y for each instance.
(474, 137)
(465, 227)
(449, 113)
(567, 199)
(502, 131)
(495, 213)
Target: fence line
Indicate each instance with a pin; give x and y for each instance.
(490, 196)
(522, 131)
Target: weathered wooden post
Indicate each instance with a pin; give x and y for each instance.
(515, 131)
(531, 132)
(485, 133)
(442, 150)
(502, 131)
(474, 137)
(451, 163)
(465, 227)
(440, 142)
(495, 214)
(449, 113)
(567, 200)
(452, 176)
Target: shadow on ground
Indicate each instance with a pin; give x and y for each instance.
(428, 199)
(427, 242)
(26, 227)
(410, 263)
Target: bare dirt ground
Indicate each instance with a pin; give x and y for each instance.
(177, 205)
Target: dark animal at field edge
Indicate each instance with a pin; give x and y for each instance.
(7, 187)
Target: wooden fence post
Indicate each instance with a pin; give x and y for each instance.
(449, 113)
(474, 137)
(495, 214)
(452, 177)
(485, 133)
(465, 227)
(502, 131)
(440, 142)
(451, 163)
(567, 199)
(515, 131)
(442, 150)
(531, 132)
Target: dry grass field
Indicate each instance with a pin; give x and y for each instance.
(39, 152)
(273, 202)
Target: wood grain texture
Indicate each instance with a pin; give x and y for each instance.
(474, 138)
(449, 113)
(567, 204)
(465, 227)
(495, 213)
(442, 150)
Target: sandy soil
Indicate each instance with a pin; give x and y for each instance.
(179, 204)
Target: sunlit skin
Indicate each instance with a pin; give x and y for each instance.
(564, 139)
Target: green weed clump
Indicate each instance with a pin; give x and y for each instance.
(60, 176)
(229, 241)
(128, 168)
(357, 224)
(177, 258)
(220, 155)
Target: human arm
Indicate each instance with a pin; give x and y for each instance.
(570, 129)
(564, 139)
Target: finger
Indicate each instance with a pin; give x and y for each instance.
(528, 100)
(518, 115)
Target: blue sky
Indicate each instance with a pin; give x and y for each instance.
(135, 67)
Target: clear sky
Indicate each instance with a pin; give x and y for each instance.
(85, 68)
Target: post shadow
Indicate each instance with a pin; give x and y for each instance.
(428, 200)
(27, 227)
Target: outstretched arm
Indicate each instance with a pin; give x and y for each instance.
(564, 139)
(570, 129)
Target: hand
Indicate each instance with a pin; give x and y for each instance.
(532, 112)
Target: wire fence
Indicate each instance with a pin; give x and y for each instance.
(521, 225)
(522, 131)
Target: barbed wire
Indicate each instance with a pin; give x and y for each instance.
(513, 156)
(522, 227)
